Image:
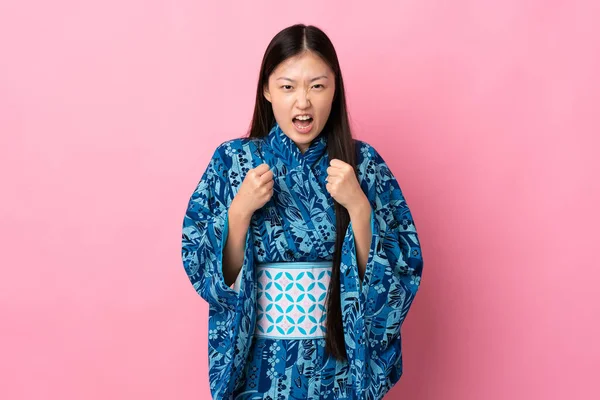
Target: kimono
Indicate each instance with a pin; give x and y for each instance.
(298, 225)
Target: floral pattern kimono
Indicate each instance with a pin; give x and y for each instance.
(298, 225)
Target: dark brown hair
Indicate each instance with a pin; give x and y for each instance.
(290, 42)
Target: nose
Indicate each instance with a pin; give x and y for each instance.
(302, 100)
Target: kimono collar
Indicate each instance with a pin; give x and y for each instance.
(288, 150)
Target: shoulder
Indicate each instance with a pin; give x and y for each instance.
(236, 143)
(371, 167)
(366, 152)
(231, 147)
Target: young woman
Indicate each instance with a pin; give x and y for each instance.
(312, 230)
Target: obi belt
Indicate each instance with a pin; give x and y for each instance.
(290, 299)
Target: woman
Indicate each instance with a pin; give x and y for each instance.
(316, 229)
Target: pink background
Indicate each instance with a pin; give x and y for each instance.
(487, 112)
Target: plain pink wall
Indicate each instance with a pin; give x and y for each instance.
(487, 112)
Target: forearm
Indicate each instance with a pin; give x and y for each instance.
(361, 226)
(233, 254)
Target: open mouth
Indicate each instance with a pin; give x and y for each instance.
(303, 125)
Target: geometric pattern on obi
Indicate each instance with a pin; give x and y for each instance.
(291, 299)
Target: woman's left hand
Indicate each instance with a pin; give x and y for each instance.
(343, 186)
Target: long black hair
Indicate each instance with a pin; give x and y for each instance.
(290, 42)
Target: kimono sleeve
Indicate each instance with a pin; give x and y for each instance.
(205, 228)
(392, 277)
(395, 264)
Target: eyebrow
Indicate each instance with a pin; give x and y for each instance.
(313, 79)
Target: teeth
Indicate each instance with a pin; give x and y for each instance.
(303, 117)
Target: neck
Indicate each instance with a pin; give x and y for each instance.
(303, 147)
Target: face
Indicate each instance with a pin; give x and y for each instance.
(301, 85)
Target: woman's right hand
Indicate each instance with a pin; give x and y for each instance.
(255, 190)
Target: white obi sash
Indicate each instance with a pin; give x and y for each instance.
(290, 299)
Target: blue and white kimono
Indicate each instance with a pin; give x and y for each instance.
(298, 225)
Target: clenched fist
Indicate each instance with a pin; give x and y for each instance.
(343, 186)
(256, 189)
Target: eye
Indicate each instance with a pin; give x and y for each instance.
(319, 84)
(286, 86)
